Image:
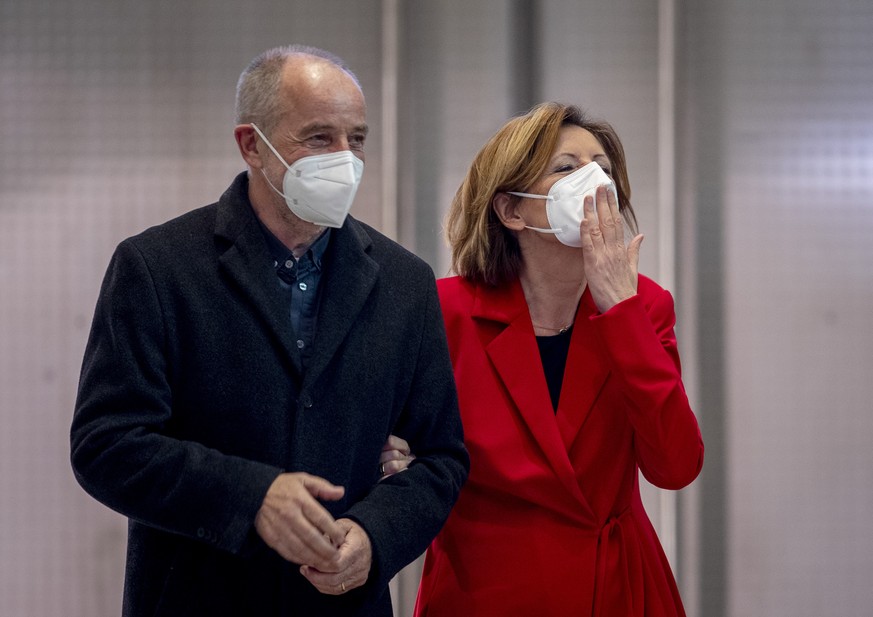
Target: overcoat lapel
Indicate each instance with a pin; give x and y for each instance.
(524, 381)
(349, 277)
(246, 260)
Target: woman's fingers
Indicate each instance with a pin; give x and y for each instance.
(395, 457)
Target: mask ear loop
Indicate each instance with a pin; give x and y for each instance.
(530, 195)
(278, 192)
(542, 230)
(278, 156)
(267, 141)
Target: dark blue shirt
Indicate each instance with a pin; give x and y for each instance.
(299, 280)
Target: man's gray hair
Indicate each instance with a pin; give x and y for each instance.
(257, 90)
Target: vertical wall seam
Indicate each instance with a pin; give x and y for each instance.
(390, 70)
(667, 501)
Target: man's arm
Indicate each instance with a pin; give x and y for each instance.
(403, 513)
(122, 449)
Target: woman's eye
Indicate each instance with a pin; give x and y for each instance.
(564, 168)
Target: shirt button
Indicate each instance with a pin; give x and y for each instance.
(302, 286)
(300, 344)
(289, 263)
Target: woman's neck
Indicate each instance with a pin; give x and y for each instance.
(553, 283)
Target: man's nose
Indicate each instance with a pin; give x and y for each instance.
(340, 143)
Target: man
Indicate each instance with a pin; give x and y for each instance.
(246, 364)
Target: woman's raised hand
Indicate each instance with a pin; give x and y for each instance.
(610, 266)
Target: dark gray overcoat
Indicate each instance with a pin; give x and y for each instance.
(191, 403)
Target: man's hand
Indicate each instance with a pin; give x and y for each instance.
(351, 567)
(295, 525)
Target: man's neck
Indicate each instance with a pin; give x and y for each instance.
(295, 233)
(297, 238)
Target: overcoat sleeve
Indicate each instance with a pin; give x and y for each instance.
(404, 513)
(122, 451)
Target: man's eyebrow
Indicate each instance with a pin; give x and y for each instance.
(315, 127)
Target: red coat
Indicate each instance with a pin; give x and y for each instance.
(550, 521)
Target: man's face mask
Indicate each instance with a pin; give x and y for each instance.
(565, 199)
(319, 189)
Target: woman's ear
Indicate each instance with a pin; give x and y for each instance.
(506, 208)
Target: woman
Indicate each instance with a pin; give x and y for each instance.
(569, 383)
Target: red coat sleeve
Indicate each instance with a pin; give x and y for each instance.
(641, 347)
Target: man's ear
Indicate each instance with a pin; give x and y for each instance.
(506, 208)
(247, 142)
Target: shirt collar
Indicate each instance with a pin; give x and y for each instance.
(279, 252)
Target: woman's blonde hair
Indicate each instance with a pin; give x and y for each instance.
(485, 251)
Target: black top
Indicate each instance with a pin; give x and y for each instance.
(553, 353)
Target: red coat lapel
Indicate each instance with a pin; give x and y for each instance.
(514, 354)
(584, 376)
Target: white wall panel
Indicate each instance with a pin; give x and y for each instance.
(780, 128)
(455, 83)
(603, 57)
(798, 226)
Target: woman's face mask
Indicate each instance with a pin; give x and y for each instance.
(319, 189)
(565, 199)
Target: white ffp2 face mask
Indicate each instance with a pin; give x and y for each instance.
(319, 189)
(565, 199)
